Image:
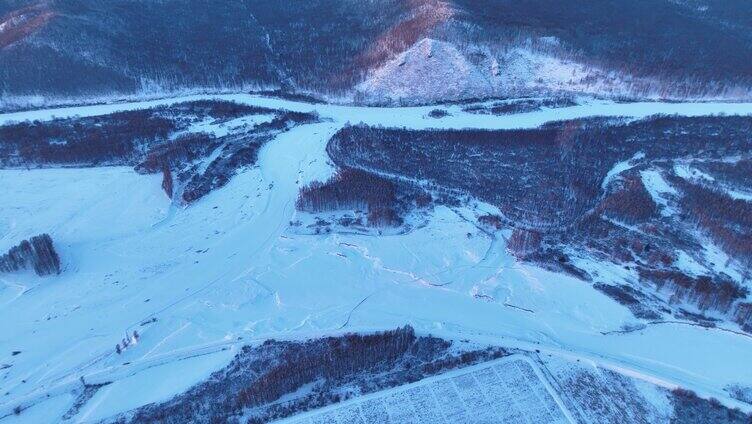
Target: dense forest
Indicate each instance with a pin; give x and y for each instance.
(85, 47)
(37, 254)
(563, 164)
(167, 140)
(266, 382)
(385, 202)
(119, 138)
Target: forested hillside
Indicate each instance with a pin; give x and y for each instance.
(377, 51)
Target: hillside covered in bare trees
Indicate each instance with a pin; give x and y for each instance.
(413, 51)
(576, 193)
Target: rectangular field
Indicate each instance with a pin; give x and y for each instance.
(508, 390)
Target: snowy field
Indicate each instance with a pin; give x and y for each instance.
(200, 282)
(509, 390)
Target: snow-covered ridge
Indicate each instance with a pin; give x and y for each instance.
(428, 71)
(434, 70)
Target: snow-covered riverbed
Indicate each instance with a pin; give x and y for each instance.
(413, 117)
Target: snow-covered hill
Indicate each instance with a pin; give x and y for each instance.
(355, 51)
(428, 71)
(432, 71)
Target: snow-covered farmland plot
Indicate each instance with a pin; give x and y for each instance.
(596, 395)
(508, 390)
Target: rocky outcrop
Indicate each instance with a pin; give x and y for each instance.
(37, 253)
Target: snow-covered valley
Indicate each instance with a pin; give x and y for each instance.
(199, 282)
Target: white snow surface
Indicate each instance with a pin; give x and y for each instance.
(620, 167)
(689, 173)
(227, 271)
(739, 195)
(659, 189)
(221, 129)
